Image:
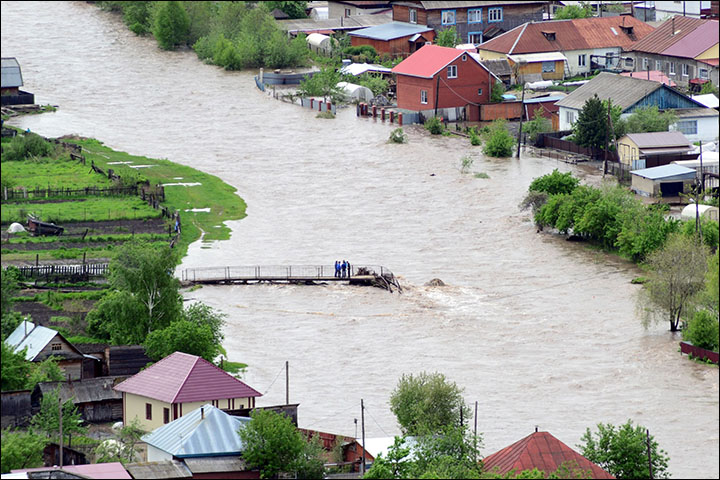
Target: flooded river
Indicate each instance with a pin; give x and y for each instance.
(537, 330)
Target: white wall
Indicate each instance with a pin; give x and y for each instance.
(572, 58)
(564, 123)
(157, 455)
(667, 9)
(707, 129)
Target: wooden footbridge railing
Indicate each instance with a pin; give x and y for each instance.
(371, 275)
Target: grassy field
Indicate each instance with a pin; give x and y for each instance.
(52, 173)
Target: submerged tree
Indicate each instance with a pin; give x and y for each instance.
(172, 25)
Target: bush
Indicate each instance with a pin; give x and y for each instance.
(25, 146)
(710, 231)
(466, 164)
(475, 138)
(496, 94)
(398, 136)
(434, 125)
(500, 142)
(554, 183)
(702, 331)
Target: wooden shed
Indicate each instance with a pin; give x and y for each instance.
(94, 398)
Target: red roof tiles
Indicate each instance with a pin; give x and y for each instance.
(180, 378)
(427, 61)
(577, 34)
(684, 42)
(542, 451)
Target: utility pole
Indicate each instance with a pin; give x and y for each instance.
(475, 431)
(522, 105)
(607, 141)
(287, 383)
(60, 405)
(362, 426)
(647, 436)
(698, 196)
(437, 92)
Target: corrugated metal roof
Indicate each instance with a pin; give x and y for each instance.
(180, 378)
(696, 42)
(164, 469)
(215, 465)
(655, 76)
(665, 172)
(576, 34)
(10, 76)
(331, 24)
(539, 450)
(659, 139)
(93, 470)
(86, 390)
(429, 60)
(624, 91)
(445, 5)
(662, 39)
(34, 337)
(390, 31)
(204, 432)
(538, 57)
(552, 98)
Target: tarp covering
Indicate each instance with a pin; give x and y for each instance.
(356, 92)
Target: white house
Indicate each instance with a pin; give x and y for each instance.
(662, 10)
(698, 124)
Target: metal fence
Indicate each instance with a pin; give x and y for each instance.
(275, 272)
(88, 270)
(37, 193)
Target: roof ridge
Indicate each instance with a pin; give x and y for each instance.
(190, 370)
(518, 38)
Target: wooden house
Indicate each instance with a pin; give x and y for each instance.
(347, 9)
(16, 409)
(177, 385)
(42, 342)
(443, 80)
(474, 22)
(94, 398)
(664, 181)
(645, 150)
(11, 82)
(396, 39)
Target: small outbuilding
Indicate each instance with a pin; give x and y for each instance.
(706, 211)
(397, 39)
(645, 150)
(11, 82)
(664, 181)
(356, 92)
(319, 43)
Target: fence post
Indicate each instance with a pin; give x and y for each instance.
(400, 118)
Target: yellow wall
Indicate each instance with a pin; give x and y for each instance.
(628, 151)
(490, 55)
(223, 405)
(536, 68)
(711, 52)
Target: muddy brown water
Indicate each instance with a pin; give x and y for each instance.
(539, 331)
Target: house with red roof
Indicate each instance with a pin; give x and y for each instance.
(683, 48)
(555, 49)
(542, 451)
(443, 79)
(177, 385)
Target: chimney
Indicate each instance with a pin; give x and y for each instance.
(202, 413)
(672, 34)
(536, 428)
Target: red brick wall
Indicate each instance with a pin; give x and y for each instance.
(354, 452)
(471, 77)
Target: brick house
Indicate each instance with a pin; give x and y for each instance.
(396, 39)
(442, 79)
(474, 22)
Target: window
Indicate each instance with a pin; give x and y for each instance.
(412, 15)
(166, 415)
(495, 14)
(448, 17)
(464, 58)
(582, 60)
(423, 96)
(347, 12)
(658, 65)
(479, 91)
(704, 73)
(671, 68)
(629, 62)
(609, 59)
(475, 15)
(475, 38)
(148, 411)
(57, 346)
(646, 64)
(548, 67)
(687, 127)
(569, 117)
(685, 69)
(452, 71)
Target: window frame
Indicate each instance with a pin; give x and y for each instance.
(547, 63)
(658, 65)
(645, 63)
(707, 73)
(479, 12)
(148, 411)
(480, 92)
(56, 346)
(412, 12)
(470, 39)
(582, 60)
(454, 17)
(671, 68)
(492, 10)
(423, 95)
(685, 70)
(687, 127)
(166, 416)
(452, 69)
(348, 12)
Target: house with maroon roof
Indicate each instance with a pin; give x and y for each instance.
(555, 49)
(542, 451)
(177, 385)
(447, 80)
(683, 48)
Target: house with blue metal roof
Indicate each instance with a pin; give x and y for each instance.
(10, 82)
(41, 342)
(397, 39)
(664, 181)
(204, 432)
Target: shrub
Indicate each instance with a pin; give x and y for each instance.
(398, 136)
(500, 142)
(710, 231)
(554, 183)
(434, 125)
(466, 163)
(702, 331)
(475, 138)
(25, 146)
(496, 94)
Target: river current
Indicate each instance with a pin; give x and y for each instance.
(539, 331)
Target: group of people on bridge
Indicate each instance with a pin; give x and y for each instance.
(342, 269)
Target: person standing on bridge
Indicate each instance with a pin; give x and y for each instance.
(344, 268)
(337, 268)
(348, 269)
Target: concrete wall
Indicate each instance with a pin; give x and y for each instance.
(694, 67)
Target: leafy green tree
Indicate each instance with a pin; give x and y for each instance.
(47, 420)
(710, 297)
(709, 87)
(644, 230)
(601, 219)
(322, 84)
(574, 11)
(125, 450)
(538, 124)
(10, 319)
(702, 330)
(554, 183)
(172, 25)
(15, 369)
(650, 119)
(377, 84)
(427, 403)
(500, 142)
(591, 126)
(622, 451)
(138, 16)
(292, 9)
(496, 93)
(21, 449)
(447, 37)
(676, 275)
(182, 336)
(273, 445)
(202, 15)
(396, 464)
(710, 231)
(46, 371)
(119, 318)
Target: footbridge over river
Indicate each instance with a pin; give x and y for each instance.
(368, 275)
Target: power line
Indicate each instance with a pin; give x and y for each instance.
(376, 422)
(273, 382)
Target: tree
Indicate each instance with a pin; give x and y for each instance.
(447, 37)
(591, 126)
(539, 124)
(293, 9)
(574, 11)
(46, 371)
(182, 336)
(47, 420)
(201, 15)
(172, 25)
(10, 319)
(643, 230)
(21, 449)
(396, 464)
(710, 297)
(124, 450)
(500, 142)
(709, 87)
(676, 275)
(377, 84)
(496, 93)
(273, 445)
(554, 183)
(622, 451)
(322, 84)
(137, 16)
(649, 119)
(427, 403)
(702, 330)
(15, 369)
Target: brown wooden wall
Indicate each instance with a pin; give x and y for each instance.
(506, 110)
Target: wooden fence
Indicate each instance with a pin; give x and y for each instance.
(39, 193)
(72, 273)
(699, 352)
